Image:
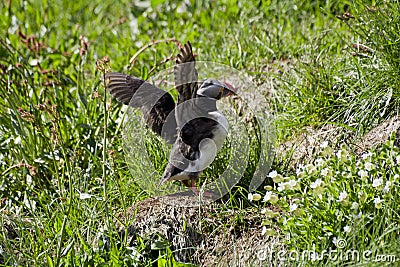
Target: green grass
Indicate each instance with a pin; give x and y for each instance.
(60, 140)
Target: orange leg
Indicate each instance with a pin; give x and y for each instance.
(192, 186)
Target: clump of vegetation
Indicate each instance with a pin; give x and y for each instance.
(340, 202)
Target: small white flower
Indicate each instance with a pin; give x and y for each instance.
(273, 174)
(354, 205)
(267, 196)
(342, 155)
(377, 183)
(267, 231)
(263, 211)
(326, 172)
(254, 197)
(319, 162)
(347, 229)
(362, 173)
(369, 166)
(335, 240)
(366, 155)
(299, 172)
(324, 144)
(346, 174)
(271, 197)
(293, 207)
(378, 202)
(398, 159)
(318, 186)
(343, 196)
(317, 183)
(17, 140)
(264, 230)
(281, 186)
(357, 216)
(292, 184)
(386, 189)
(311, 169)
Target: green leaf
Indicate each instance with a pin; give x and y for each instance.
(161, 244)
(155, 3)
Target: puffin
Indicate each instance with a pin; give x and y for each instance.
(194, 125)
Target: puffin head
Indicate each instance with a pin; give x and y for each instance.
(215, 89)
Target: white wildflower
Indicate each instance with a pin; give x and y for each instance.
(354, 205)
(267, 231)
(343, 196)
(292, 184)
(326, 172)
(282, 186)
(377, 183)
(378, 202)
(311, 169)
(347, 229)
(275, 176)
(264, 230)
(317, 183)
(366, 155)
(271, 197)
(318, 186)
(254, 197)
(263, 211)
(293, 207)
(357, 216)
(342, 155)
(369, 166)
(363, 174)
(319, 162)
(386, 189)
(324, 144)
(300, 171)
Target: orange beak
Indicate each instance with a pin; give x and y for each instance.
(228, 89)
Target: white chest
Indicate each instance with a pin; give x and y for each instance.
(220, 132)
(209, 147)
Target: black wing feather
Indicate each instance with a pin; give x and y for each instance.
(186, 74)
(156, 104)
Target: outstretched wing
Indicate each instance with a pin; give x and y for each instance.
(185, 74)
(156, 104)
